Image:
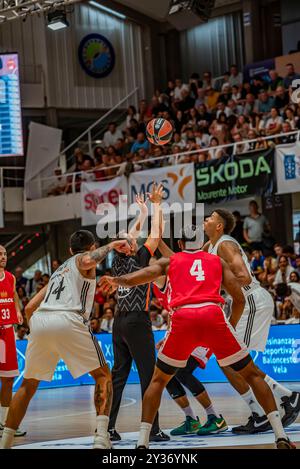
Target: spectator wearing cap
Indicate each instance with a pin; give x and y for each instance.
(290, 76)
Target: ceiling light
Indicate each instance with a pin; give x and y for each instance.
(57, 20)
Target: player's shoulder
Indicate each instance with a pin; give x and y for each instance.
(9, 276)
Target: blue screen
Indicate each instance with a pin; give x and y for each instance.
(11, 137)
(280, 360)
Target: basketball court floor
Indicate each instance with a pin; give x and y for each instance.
(64, 418)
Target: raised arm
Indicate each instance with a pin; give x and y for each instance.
(164, 249)
(155, 197)
(35, 302)
(231, 254)
(234, 290)
(140, 277)
(90, 259)
(138, 225)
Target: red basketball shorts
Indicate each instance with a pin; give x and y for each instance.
(8, 353)
(202, 325)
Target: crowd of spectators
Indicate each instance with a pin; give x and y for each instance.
(205, 113)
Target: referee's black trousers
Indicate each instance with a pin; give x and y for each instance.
(132, 340)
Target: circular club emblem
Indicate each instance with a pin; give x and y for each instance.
(96, 55)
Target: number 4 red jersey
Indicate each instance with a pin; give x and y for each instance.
(195, 277)
(8, 312)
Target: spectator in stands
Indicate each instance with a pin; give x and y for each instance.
(207, 80)
(112, 134)
(265, 104)
(131, 114)
(284, 271)
(270, 269)
(170, 90)
(239, 147)
(275, 82)
(80, 158)
(212, 97)
(236, 94)
(252, 135)
(141, 142)
(179, 88)
(58, 186)
(237, 232)
(290, 118)
(274, 123)
(255, 225)
(21, 281)
(215, 153)
(251, 104)
(290, 76)
(107, 320)
(225, 95)
(202, 138)
(45, 279)
(178, 141)
(21, 295)
(285, 139)
(289, 252)
(281, 98)
(187, 102)
(236, 77)
(95, 325)
(257, 264)
(200, 97)
(55, 264)
(204, 117)
(21, 332)
(32, 283)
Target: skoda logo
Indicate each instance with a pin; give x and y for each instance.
(96, 55)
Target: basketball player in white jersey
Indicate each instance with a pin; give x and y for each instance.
(58, 317)
(253, 326)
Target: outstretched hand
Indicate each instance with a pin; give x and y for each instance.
(141, 200)
(157, 193)
(108, 284)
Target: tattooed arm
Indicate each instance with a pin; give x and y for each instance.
(88, 260)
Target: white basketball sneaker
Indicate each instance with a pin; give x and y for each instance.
(102, 441)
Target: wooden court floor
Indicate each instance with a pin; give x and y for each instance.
(68, 412)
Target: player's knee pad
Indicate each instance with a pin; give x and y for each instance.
(190, 382)
(175, 389)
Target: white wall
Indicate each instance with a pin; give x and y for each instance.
(53, 56)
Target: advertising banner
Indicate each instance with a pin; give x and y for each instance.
(94, 194)
(287, 162)
(235, 177)
(178, 182)
(280, 360)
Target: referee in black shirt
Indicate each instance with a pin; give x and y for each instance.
(132, 330)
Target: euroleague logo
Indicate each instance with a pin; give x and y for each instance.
(295, 96)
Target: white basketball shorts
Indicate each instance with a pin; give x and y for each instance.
(254, 325)
(60, 335)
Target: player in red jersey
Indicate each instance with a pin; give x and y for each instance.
(10, 314)
(184, 378)
(198, 319)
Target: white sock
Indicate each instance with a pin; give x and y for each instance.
(144, 434)
(102, 424)
(277, 389)
(3, 414)
(211, 411)
(188, 412)
(275, 421)
(7, 438)
(251, 402)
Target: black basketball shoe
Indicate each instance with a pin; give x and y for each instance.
(255, 424)
(159, 436)
(114, 435)
(291, 406)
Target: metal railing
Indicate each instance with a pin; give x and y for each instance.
(70, 182)
(90, 137)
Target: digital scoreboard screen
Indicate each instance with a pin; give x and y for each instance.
(11, 137)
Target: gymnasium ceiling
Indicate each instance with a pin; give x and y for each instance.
(158, 9)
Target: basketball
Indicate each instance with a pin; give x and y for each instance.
(159, 131)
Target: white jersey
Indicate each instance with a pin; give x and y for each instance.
(254, 285)
(68, 290)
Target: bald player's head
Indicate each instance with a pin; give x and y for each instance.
(3, 257)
